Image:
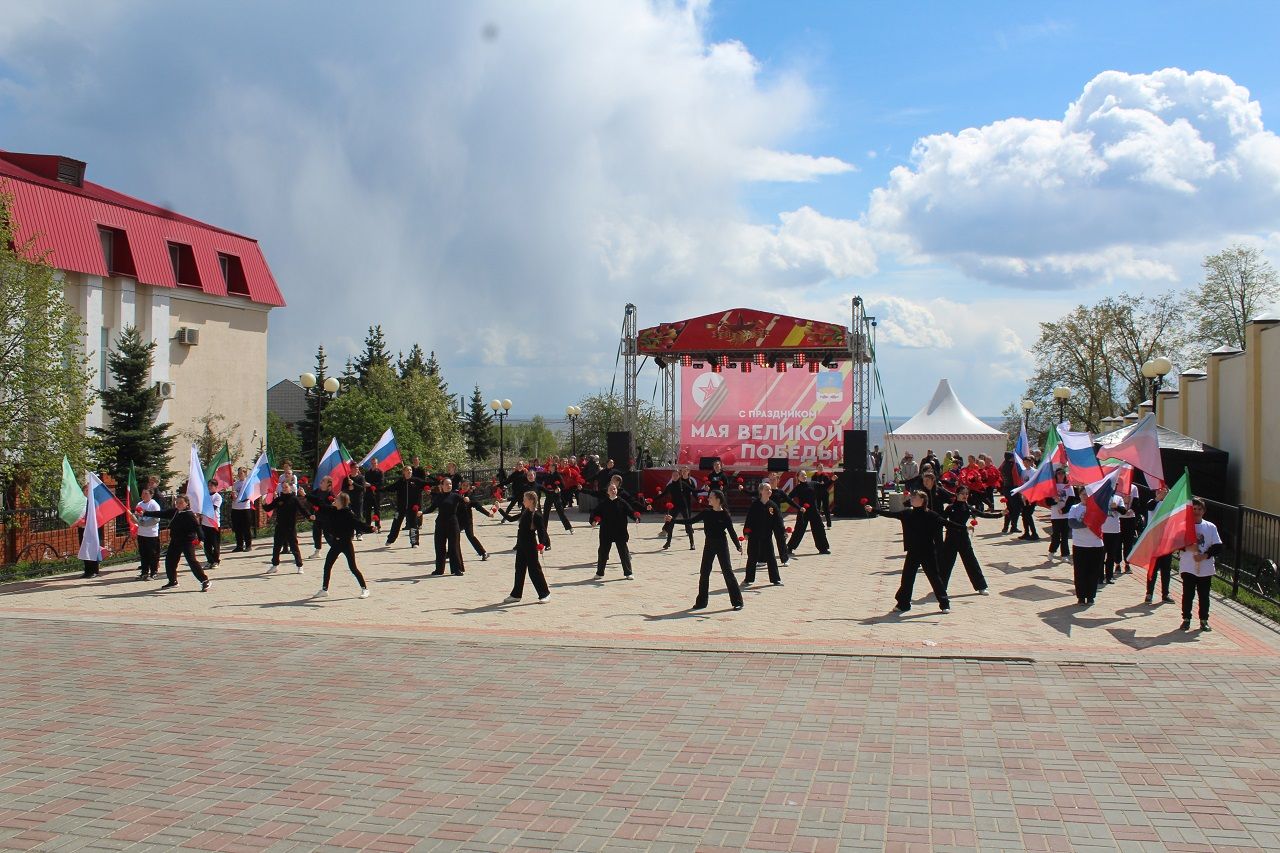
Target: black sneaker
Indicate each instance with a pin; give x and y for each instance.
(698, 607)
(1186, 624)
(169, 585)
(737, 607)
(484, 556)
(204, 587)
(1204, 625)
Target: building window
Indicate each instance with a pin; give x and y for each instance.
(183, 261)
(104, 342)
(233, 274)
(116, 255)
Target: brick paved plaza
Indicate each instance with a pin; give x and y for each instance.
(431, 717)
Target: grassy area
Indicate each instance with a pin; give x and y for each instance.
(1249, 599)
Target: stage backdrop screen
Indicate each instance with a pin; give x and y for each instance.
(746, 418)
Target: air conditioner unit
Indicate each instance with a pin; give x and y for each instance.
(188, 337)
(164, 390)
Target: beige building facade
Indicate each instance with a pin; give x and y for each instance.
(1234, 403)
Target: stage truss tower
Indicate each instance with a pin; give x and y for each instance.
(862, 348)
(630, 399)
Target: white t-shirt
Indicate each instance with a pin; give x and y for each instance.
(1206, 537)
(1056, 508)
(291, 479)
(1133, 498)
(1112, 522)
(217, 510)
(148, 527)
(1082, 537)
(235, 492)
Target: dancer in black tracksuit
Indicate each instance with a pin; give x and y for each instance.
(680, 494)
(373, 483)
(184, 535)
(718, 480)
(822, 482)
(781, 498)
(612, 515)
(320, 498)
(805, 500)
(717, 529)
(354, 486)
(553, 487)
(528, 483)
(517, 483)
(287, 506)
(406, 497)
(531, 539)
(1009, 480)
(958, 544)
(466, 518)
(341, 525)
(759, 527)
(922, 528)
(447, 505)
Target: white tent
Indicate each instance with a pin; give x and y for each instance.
(943, 424)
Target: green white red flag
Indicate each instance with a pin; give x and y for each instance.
(1172, 528)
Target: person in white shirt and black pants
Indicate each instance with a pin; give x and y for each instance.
(1198, 566)
(1113, 539)
(148, 536)
(1086, 556)
(1060, 540)
(241, 514)
(211, 535)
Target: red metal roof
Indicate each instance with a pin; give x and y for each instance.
(64, 219)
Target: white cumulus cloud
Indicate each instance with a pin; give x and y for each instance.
(1137, 166)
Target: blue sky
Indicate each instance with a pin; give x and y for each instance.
(495, 179)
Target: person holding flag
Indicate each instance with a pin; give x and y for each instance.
(1171, 528)
(1198, 566)
(210, 521)
(385, 455)
(1060, 540)
(184, 529)
(1161, 565)
(241, 512)
(148, 536)
(219, 468)
(91, 551)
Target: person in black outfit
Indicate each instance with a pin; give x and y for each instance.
(822, 482)
(447, 505)
(320, 498)
(531, 538)
(958, 544)
(718, 532)
(341, 526)
(287, 507)
(780, 497)
(417, 469)
(717, 479)
(1163, 565)
(936, 496)
(373, 482)
(680, 494)
(406, 497)
(184, 535)
(1009, 480)
(467, 519)
(763, 517)
(805, 501)
(354, 487)
(605, 475)
(553, 490)
(518, 481)
(922, 527)
(612, 515)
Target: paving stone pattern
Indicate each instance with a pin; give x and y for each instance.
(146, 737)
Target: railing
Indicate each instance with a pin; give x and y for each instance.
(1251, 549)
(38, 535)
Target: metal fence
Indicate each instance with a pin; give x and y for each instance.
(1251, 549)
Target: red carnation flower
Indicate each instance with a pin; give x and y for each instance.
(375, 518)
(973, 522)
(1004, 500)
(670, 505)
(595, 519)
(637, 515)
(743, 538)
(788, 529)
(740, 480)
(541, 546)
(373, 488)
(864, 501)
(415, 507)
(806, 506)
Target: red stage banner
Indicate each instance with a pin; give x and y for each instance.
(742, 329)
(746, 418)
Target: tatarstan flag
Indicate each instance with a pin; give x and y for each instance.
(219, 468)
(1172, 528)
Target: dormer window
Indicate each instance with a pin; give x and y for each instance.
(116, 256)
(183, 261)
(233, 274)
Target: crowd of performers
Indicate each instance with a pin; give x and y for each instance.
(945, 499)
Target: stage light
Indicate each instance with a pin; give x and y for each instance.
(781, 366)
(724, 361)
(686, 361)
(800, 359)
(716, 368)
(829, 362)
(746, 367)
(814, 367)
(761, 359)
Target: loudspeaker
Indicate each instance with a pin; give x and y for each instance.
(851, 488)
(619, 446)
(779, 463)
(855, 450)
(706, 463)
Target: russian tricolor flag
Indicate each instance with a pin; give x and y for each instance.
(1077, 447)
(335, 463)
(1039, 486)
(1097, 501)
(260, 483)
(107, 507)
(385, 454)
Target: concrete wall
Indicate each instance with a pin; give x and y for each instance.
(1236, 406)
(225, 373)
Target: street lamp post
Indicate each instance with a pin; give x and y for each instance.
(322, 395)
(1156, 369)
(501, 408)
(573, 413)
(1062, 394)
(1027, 406)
